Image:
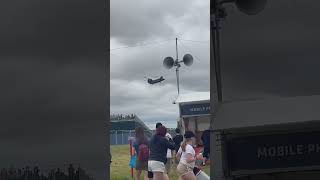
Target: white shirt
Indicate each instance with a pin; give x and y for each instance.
(183, 158)
(169, 154)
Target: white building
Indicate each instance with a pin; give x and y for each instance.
(194, 113)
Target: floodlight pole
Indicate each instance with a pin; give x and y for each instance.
(177, 49)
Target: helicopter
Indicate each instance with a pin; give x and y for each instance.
(154, 81)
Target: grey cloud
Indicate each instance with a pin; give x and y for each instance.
(145, 20)
(155, 22)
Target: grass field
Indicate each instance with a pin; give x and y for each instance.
(120, 169)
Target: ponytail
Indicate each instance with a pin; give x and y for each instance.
(183, 145)
(187, 138)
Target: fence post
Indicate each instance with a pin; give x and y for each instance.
(122, 137)
(116, 137)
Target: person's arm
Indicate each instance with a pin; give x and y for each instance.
(190, 154)
(175, 139)
(178, 155)
(190, 158)
(135, 149)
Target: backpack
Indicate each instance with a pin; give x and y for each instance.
(143, 152)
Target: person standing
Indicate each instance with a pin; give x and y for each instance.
(159, 146)
(141, 146)
(205, 137)
(169, 155)
(187, 157)
(177, 139)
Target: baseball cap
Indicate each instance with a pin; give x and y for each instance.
(189, 134)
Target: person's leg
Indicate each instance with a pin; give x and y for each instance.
(165, 176)
(158, 176)
(189, 176)
(138, 174)
(145, 175)
(168, 165)
(182, 170)
(145, 170)
(150, 175)
(206, 152)
(165, 173)
(193, 176)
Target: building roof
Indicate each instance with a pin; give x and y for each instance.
(193, 97)
(246, 114)
(128, 124)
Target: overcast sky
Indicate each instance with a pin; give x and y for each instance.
(156, 23)
(273, 54)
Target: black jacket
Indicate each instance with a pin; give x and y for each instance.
(177, 140)
(206, 138)
(158, 148)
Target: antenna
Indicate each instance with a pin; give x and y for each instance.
(169, 62)
(177, 49)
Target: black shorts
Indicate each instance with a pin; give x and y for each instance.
(196, 170)
(150, 174)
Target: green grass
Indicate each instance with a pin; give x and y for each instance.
(120, 169)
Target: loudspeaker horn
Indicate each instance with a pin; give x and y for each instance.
(168, 62)
(188, 59)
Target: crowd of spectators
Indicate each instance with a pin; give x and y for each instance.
(122, 117)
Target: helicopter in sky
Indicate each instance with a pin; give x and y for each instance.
(155, 81)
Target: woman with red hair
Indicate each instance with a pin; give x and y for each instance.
(159, 145)
(140, 142)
